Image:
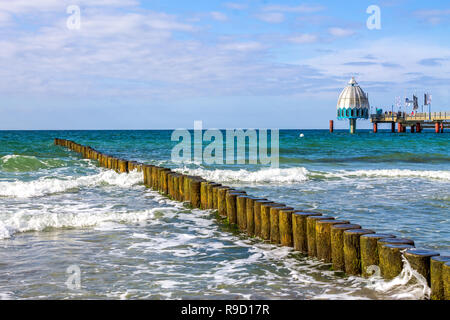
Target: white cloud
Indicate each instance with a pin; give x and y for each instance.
(433, 16)
(294, 9)
(235, 5)
(219, 16)
(303, 38)
(341, 32)
(243, 46)
(271, 17)
(27, 6)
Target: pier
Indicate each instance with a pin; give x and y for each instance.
(416, 122)
(345, 246)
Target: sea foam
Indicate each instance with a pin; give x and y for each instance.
(52, 185)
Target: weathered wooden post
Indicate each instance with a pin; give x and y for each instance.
(257, 209)
(222, 201)
(241, 207)
(420, 261)
(231, 207)
(264, 228)
(299, 230)
(337, 244)
(275, 223)
(311, 233)
(352, 250)
(369, 251)
(286, 237)
(391, 263)
(446, 280)
(323, 238)
(436, 273)
(194, 192)
(204, 195)
(123, 166)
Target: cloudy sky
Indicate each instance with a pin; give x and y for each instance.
(135, 64)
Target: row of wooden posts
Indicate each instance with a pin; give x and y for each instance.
(348, 247)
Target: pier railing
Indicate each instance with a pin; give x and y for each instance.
(347, 247)
(402, 117)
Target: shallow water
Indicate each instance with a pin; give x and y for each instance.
(58, 210)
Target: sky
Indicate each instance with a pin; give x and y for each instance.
(135, 64)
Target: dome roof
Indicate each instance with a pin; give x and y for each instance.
(353, 97)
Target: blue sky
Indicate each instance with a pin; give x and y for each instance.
(251, 64)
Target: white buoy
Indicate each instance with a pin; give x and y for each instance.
(301, 135)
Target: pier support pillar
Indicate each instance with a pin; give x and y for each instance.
(442, 127)
(400, 128)
(437, 127)
(418, 127)
(393, 127)
(375, 127)
(413, 127)
(352, 126)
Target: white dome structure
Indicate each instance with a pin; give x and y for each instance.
(353, 103)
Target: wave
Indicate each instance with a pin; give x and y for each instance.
(408, 285)
(52, 185)
(21, 163)
(301, 174)
(26, 221)
(392, 173)
(269, 175)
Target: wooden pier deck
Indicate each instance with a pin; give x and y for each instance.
(417, 121)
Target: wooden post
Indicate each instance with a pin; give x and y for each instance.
(323, 238)
(412, 128)
(285, 227)
(352, 250)
(337, 244)
(442, 127)
(375, 127)
(420, 261)
(275, 223)
(249, 206)
(265, 227)
(299, 230)
(123, 166)
(194, 192)
(418, 127)
(446, 280)
(311, 233)
(331, 126)
(257, 213)
(400, 128)
(369, 251)
(204, 195)
(187, 183)
(241, 208)
(221, 201)
(391, 263)
(231, 207)
(437, 284)
(437, 127)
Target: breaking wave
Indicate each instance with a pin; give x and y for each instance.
(51, 185)
(270, 175)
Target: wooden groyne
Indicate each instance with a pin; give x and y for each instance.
(348, 247)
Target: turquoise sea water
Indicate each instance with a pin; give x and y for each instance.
(58, 210)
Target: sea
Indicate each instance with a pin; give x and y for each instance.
(70, 229)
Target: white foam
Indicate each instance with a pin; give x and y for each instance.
(393, 173)
(269, 175)
(102, 219)
(409, 284)
(51, 185)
